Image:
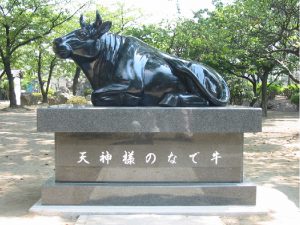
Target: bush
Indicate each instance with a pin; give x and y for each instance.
(31, 98)
(4, 90)
(240, 91)
(295, 99)
(290, 90)
(51, 92)
(272, 90)
(37, 96)
(87, 91)
(77, 100)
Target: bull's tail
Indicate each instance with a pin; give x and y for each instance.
(179, 68)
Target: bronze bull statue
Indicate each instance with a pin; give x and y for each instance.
(124, 71)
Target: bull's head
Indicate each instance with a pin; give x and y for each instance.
(82, 42)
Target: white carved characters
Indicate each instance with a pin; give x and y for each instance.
(128, 158)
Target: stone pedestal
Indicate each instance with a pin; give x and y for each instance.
(148, 156)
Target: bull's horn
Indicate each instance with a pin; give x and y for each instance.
(81, 21)
(98, 21)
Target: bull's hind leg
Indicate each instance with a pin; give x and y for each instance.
(184, 100)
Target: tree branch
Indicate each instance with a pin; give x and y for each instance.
(1, 8)
(2, 74)
(247, 78)
(2, 53)
(294, 52)
(7, 39)
(52, 65)
(18, 32)
(290, 74)
(39, 71)
(277, 76)
(12, 6)
(54, 25)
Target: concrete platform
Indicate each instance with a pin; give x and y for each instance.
(148, 220)
(268, 200)
(72, 210)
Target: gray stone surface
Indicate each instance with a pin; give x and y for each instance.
(77, 210)
(148, 194)
(149, 119)
(229, 167)
(148, 220)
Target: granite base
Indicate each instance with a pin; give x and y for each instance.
(185, 168)
(148, 194)
(183, 156)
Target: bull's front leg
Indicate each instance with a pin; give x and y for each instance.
(114, 95)
(182, 100)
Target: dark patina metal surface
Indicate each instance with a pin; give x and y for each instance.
(124, 71)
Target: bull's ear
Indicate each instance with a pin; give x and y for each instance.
(98, 20)
(105, 27)
(81, 21)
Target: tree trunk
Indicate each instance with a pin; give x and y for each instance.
(75, 80)
(11, 85)
(51, 68)
(40, 79)
(264, 97)
(45, 97)
(254, 89)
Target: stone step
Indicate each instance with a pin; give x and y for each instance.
(148, 194)
(148, 220)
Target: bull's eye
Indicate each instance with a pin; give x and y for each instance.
(82, 34)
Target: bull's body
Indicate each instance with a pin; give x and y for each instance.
(124, 71)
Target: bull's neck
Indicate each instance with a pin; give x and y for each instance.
(104, 62)
(86, 66)
(110, 45)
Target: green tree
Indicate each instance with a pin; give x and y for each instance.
(22, 22)
(43, 56)
(249, 39)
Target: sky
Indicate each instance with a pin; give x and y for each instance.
(156, 10)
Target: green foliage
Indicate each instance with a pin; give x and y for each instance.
(36, 97)
(245, 41)
(295, 99)
(51, 92)
(273, 90)
(77, 100)
(240, 91)
(25, 22)
(4, 89)
(4, 85)
(153, 35)
(290, 90)
(87, 91)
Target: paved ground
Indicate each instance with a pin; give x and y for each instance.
(27, 160)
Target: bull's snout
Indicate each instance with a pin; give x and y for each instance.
(61, 49)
